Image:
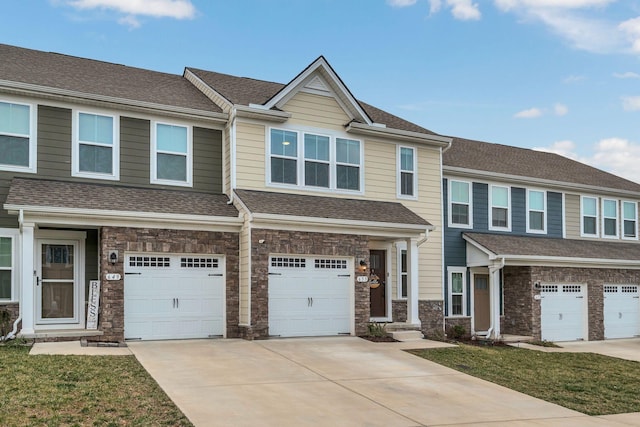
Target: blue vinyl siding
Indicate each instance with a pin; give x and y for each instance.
(518, 210)
(480, 207)
(554, 214)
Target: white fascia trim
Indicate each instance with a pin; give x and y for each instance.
(261, 114)
(559, 186)
(73, 216)
(398, 135)
(384, 229)
(64, 95)
(204, 88)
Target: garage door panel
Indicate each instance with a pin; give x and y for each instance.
(563, 309)
(621, 311)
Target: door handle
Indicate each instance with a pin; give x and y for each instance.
(37, 281)
(177, 303)
(619, 315)
(311, 301)
(308, 302)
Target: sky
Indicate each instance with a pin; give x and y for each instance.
(554, 75)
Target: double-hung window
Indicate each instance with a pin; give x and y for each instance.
(610, 218)
(589, 214)
(319, 161)
(406, 172)
(7, 266)
(96, 146)
(536, 211)
(402, 273)
(460, 204)
(17, 137)
(457, 291)
(500, 202)
(171, 157)
(629, 220)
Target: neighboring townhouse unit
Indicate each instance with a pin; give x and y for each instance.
(210, 205)
(537, 244)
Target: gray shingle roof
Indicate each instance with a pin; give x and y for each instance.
(507, 244)
(504, 159)
(92, 77)
(328, 207)
(245, 91)
(106, 197)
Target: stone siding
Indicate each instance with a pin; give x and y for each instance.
(450, 322)
(518, 297)
(399, 310)
(431, 313)
(14, 312)
(111, 315)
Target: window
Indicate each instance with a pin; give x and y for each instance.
(17, 140)
(406, 172)
(609, 218)
(536, 211)
(629, 220)
(324, 162)
(403, 274)
(457, 291)
(499, 200)
(7, 267)
(171, 155)
(589, 212)
(459, 204)
(95, 146)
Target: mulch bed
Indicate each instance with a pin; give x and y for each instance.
(378, 339)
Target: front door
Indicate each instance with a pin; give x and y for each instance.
(377, 286)
(481, 302)
(57, 283)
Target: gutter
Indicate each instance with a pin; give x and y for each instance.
(402, 135)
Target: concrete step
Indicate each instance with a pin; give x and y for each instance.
(401, 326)
(406, 335)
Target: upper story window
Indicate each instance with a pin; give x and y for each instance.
(536, 211)
(589, 214)
(460, 204)
(17, 137)
(406, 178)
(7, 265)
(500, 202)
(323, 161)
(457, 291)
(629, 220)
(171, 154)
(610, 218)
(96, 148)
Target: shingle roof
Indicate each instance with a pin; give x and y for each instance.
(92, 77)
(106, 197)
(328, 207)
(245, 91)
(507, 244)
(504, 159)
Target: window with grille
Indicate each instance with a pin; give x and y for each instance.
(189, 262)
(288, 262)
(334, 264)
(149, 261)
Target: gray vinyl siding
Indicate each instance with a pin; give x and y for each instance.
(480, 207)
(135, 151)
(518, 210)
(554, 214)
(207, 160)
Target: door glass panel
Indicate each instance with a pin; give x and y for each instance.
(57, 300)
(57, 281)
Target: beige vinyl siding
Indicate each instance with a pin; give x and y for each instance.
(244, 273)
(572, 214)
(250, 156)
(316, 111)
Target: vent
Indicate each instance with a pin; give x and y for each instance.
(317, 84)
(332, 264)
(288, 262)
(149, 261)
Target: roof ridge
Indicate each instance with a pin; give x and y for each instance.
(234, 76)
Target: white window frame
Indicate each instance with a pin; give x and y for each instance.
(155, 152)
(491, 226)
(582, 215)
(544, 212)
(401, 247)
(604, 218)
(623, 219)
(115, 147)
(300, 131)
(400, 171)
(301, 147)
(450, 203)
(13, 234)
(33, 144)
(450, 272)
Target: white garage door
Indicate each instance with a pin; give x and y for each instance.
(621, 311)
(563, 310)
(309, 296)
(173, 296)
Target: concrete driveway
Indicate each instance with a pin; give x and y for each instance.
(343, 381)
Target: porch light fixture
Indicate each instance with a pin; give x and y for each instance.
(363, 265)
(113, 257)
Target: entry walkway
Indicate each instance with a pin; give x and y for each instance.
(343, 381)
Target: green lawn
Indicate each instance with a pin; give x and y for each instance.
(585, 382)
(80, 391)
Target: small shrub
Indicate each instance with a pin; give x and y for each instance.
(377, 329)
(457, 332)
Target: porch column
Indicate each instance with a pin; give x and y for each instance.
(495, 299)
(412, 282)
(27, 294)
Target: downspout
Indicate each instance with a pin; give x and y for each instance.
(232, 156)
(426, 236)
(11, 335)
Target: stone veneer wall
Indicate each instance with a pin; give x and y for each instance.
(111, 315)
(14, 311)
(431, 313)
(399, 310)
(450, 322)
(301, 243)
(518, 298)
(522, 279)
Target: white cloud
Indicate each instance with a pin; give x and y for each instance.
(434, 6)
(631, 29)
(574, 79)
(132, 9)
(507, 5)
(631, 103)
(464, 10)
(401, 3)
(531, 113)
(560, 109)
(627, 75)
